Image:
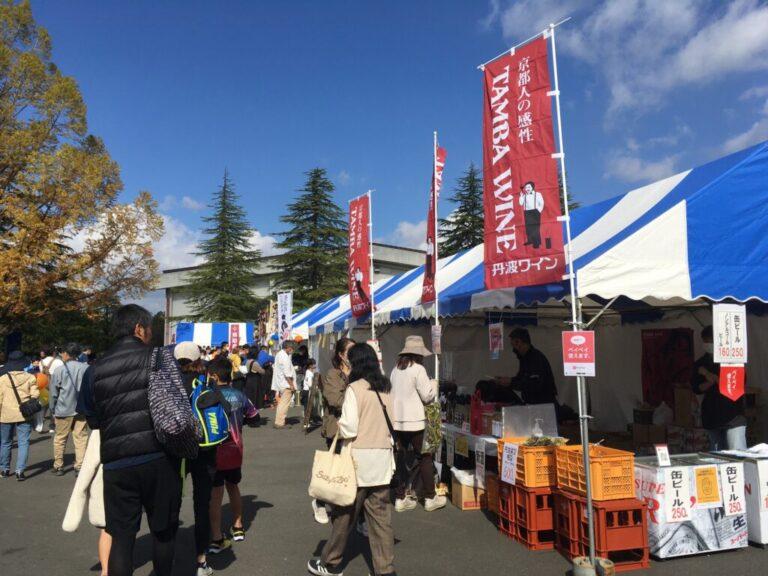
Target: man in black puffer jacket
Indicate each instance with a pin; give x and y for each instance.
(137, 472)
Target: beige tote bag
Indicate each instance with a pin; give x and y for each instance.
(334, 479)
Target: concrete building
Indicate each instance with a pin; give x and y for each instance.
(387, 261)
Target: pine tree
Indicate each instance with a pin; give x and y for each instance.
(220, 287)
(314, 259)
(463, 229)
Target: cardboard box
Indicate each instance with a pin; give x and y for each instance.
(467, 497)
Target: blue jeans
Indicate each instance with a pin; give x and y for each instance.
(728, 438)
(23, 432)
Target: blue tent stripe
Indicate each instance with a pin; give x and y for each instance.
(185, 331)
(219, 333)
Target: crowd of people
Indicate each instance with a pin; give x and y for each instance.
(124, 470)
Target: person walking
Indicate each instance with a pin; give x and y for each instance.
(284, 381)
(138, 474)
(411, 390)
(50, 361)
(63, 392)
(332, 387)
(89, 490)
(365, 424)
(16, 387)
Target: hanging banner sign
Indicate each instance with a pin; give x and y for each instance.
(430, 268)
(732, 381)
(234, 336)
(521, 191)
(359, 260)
(437, 336)
(677, 488)
(732, 482)
(284, 314)
(450, 444)
(480, 463)
(729, 327)
(579, 353)
(496, 339)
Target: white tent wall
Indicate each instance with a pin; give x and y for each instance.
(614, 393)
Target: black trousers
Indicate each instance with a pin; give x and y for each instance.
(425, 464)
(202, 469)
(533, 227)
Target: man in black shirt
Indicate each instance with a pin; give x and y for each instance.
(722, 418)
(534, 379)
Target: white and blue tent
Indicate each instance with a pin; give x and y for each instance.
(214, 333)
(673, 245)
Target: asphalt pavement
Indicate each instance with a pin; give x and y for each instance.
(281, 533)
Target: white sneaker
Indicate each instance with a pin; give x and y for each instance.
(321, 514)
(204, 569)
(432, 504)
(403, 504)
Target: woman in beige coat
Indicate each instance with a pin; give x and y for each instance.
(89, 489)
(411, 390)
(12, 382)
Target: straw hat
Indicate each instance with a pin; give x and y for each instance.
(415, 345)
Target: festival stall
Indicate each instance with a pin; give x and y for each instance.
(214, 333)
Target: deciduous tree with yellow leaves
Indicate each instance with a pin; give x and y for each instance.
(66, 243)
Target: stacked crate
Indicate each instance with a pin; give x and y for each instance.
(620, 523)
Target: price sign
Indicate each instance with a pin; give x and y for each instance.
(677, 491)
(461, 446)
(732, 482)
(707, 487)
(480, 464)
(509, 463)
(662, 455)
(449, 447)
(729, 326)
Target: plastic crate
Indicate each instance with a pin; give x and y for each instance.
(568, 547)
(507, 527)
(533, 508)
(612, 471)
(624, 560)
(619, 524)
(506, 501)
(566, 515)
(535, 464)
(536, 539)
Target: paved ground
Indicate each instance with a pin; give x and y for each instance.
(281, 533)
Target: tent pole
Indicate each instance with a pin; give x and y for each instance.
(370, 258)
(576, 316)
(435, 248)
(602, 311)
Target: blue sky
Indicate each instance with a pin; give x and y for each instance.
(181, 89)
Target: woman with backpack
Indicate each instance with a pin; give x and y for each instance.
(16, 388)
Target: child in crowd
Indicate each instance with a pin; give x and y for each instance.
(229, 457)
(309, 378)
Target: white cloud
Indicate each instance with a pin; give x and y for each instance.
(266, 244)
(177, 247)
(344, 178)
(191, 204)
(644, 49)
(631, 168)
(408, 234)
(754, 134)
(755, 92)
(168, 203)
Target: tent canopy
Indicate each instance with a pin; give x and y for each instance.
(697, 234)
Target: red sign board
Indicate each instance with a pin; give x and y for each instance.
(359, 255)
(732, 381)
(579, 353)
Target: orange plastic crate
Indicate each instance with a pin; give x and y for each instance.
(535, 464)
(612, 471)
(506, 501)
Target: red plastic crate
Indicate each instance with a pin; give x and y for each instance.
(567, 522)
(533, 508)
(507, 501)
(536, 539)
(624, 560)
(568, 547)
(619, 524)
(507, 527)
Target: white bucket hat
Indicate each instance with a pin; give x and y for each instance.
(415, 345)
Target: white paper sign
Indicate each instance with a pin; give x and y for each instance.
(677, 492)
(732, 485)
(449, 447)
(509, 463)
(662, 455)
(496, 428)
(480, 464)
(729, 325)
(762, 475)
(437, 335)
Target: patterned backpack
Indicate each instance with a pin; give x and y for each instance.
(176, 427)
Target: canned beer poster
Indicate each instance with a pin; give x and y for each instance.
(359, 261)
(521, 193)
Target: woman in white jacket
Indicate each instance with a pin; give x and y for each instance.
(89, 489)
(411, 390)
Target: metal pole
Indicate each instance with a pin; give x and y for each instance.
(436, 244)
(519, 44)
(575, 314)
(370, 258)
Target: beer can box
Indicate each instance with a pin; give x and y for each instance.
(711, 515)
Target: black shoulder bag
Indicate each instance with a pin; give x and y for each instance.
(29, 407)
(396, 444)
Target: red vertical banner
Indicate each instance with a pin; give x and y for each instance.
(359, 261)
(430, 267)
(521, 195)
